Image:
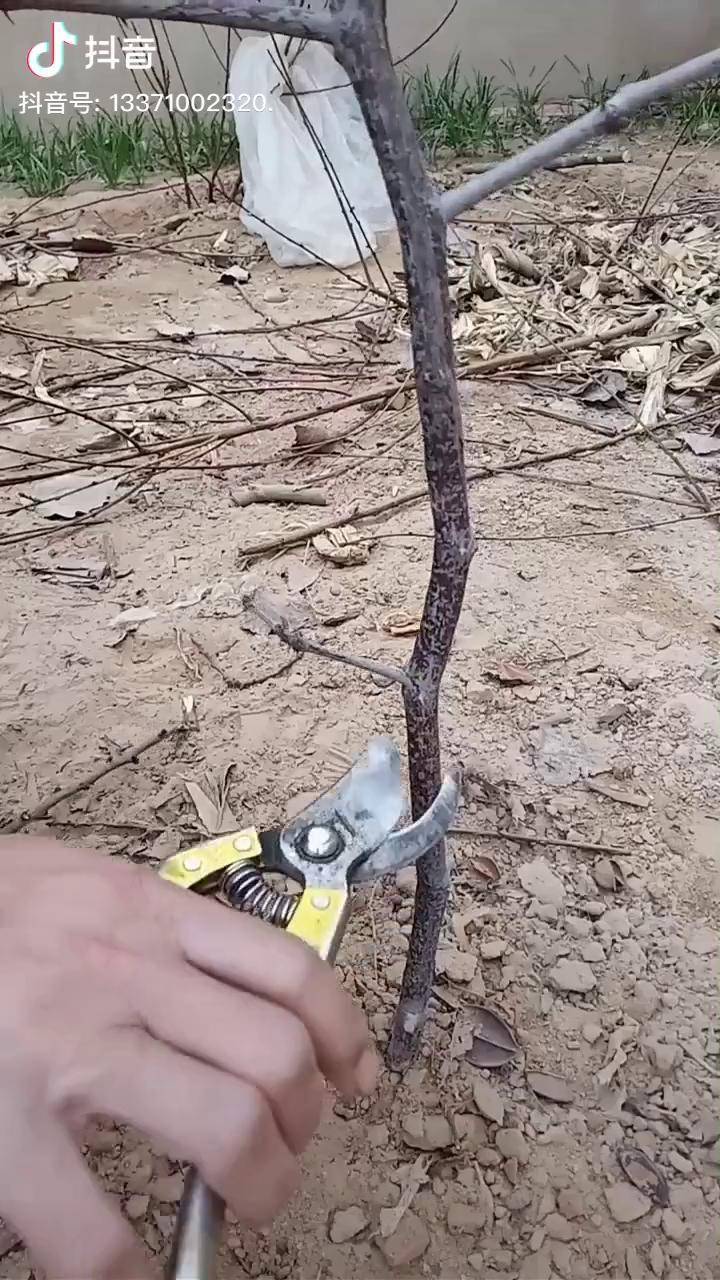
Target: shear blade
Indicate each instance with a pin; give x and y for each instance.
(403, 848)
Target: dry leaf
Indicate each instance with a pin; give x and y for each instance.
(608, 874)
(552, 1087)
(494, 1044)
(487, 868)
(234, 275)
(345, 547)
(186, 602)
(643, 1174)
(175, 332)
(615, 1055)
(620, 794)
(15, 372)
(510, 673)
(133, 617)
(63, 497)
(210, 800)
(390, 1219)
(80, 243)
(605, 389)
(46, 268)
(701, 443)
(399, 623)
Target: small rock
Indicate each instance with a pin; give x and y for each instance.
(519, 1200)
(426, 1133)
(511, 1170)
(538, 879)
(644, 1001)
(663, 1057)
(466, 1219)
(136, 1207)
(633, 1264)
(394, 973)
(657, 1260)
(593, 908)
(493, 949)
(578, 928)
(548, 913)
(593, 953)
(458, 966)
(486, 1157)
(572, 975)
(406, 881)
(274, 294)
(702, 942)
(488, 1101)
(167, 1190)
(626, 1203)
(673, 1226)
(471, 1130)
(407, 1244)
(592, 1032)
(513, 1145)
(558, 1228)
(345, 1224)
(570, 1204)
(615, 923)
(378, 1135)
(680, 1163)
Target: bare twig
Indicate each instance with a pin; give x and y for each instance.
(300, 644)
(234, 682)
(548, 842)
(539, 355)
(621, 107)
(563, 162)
(126, 757)
(279, 493)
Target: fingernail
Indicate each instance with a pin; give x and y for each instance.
(368, 1070)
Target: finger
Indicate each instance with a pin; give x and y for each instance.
(265, 961)
(54, 1203)
(221, 1124)
(261, 1043)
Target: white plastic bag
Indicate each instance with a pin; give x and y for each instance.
(302, 214)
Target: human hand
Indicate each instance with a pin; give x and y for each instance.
(127, 997)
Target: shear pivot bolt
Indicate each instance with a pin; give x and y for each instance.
(192, 862)
(320, 901)
(243, 844)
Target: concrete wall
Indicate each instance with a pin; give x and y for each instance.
(613, 36)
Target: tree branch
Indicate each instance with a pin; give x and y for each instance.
(611, 118)
(362, 48)
(286, 19)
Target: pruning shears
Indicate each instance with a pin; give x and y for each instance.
(345, 838)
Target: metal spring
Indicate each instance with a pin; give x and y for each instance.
(246, 888)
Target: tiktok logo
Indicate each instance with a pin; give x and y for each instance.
(59, 36)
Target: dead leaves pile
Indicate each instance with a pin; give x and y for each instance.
(545, 284)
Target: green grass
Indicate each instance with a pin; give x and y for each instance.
(117, 151)
(463, 114)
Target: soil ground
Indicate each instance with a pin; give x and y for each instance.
(616, 741)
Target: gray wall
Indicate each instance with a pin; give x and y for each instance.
(613, 36)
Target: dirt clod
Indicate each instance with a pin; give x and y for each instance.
(407, 1244)
(346, 1224)
(626, 1203)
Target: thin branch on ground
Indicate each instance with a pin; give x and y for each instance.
(548, 842)
(117, 762)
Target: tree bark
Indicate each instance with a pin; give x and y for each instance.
(362, 48)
